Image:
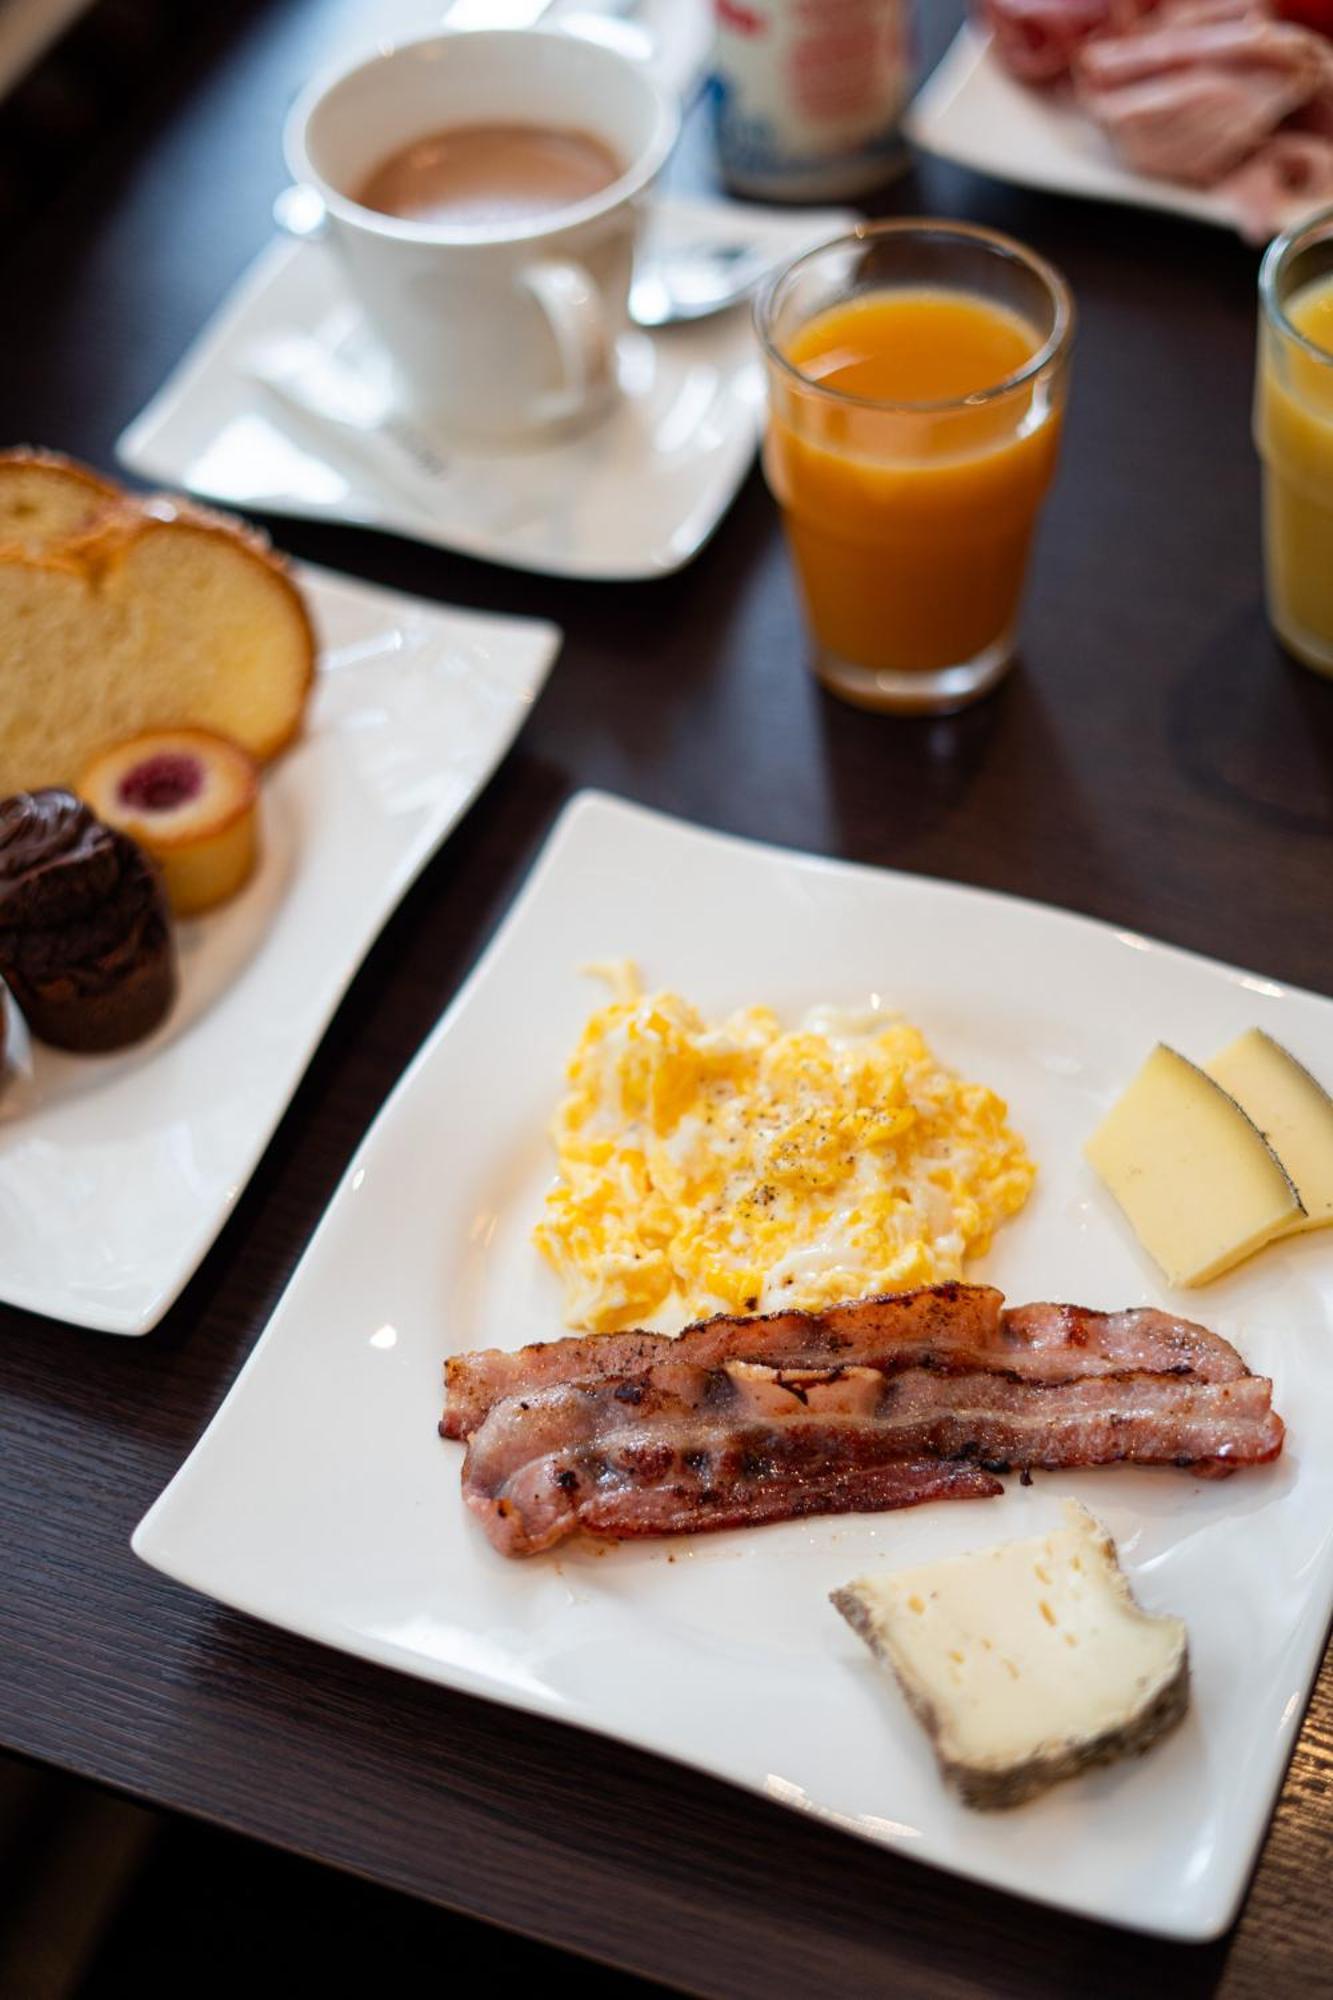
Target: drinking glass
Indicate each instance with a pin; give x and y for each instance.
(911, 522)
(1293, 426)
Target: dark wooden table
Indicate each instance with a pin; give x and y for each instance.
(1155, 762)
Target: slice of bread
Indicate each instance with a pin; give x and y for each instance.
(45, 498)
(154, 615)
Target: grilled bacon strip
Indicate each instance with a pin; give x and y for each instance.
(719, 1447)
(881, 1404)
(939, 1326)
(1072, 1341)
(936, 1317)
(700, 1482)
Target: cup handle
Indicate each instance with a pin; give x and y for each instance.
(577, 319)
(300, 212)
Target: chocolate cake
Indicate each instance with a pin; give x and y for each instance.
(85, 939)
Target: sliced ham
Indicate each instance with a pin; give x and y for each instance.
(1189, 103)
(1246, 41)
(1037, 40)
(1205, 13)
(1208, 93)
(1289, 177)
(1316, 114)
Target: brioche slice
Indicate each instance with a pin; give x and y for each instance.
(159, 615)
(46, 498)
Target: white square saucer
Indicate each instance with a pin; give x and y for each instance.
(637, 495)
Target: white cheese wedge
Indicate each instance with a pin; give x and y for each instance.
(1294, 1113)
(1026, 1662)
(1197, 1178)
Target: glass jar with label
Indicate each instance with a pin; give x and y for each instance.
(808, 95)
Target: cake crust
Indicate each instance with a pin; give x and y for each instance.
(31, 476)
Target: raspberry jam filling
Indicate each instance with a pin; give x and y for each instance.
(162, 782)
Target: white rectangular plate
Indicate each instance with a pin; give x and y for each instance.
(971, 110)
(117, 1172)
(321, 1498)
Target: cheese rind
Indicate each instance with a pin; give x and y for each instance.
(1196, 1177)
(1027, 1662)
(1292, 1110)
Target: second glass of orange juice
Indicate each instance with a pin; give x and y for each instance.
(917, 374)
(1293, 427)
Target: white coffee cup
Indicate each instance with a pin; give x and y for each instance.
(497, 333)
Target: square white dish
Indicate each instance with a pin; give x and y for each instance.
(117, 1172)
(972, 111)
(321, 1499)
(634, 496)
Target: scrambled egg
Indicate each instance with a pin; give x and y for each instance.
(743, 1167)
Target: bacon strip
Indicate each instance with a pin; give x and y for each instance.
(718, 1447)
(939, 1326)
(1072, 1340)
(688, 1488)
(936, 1317)
(881, 1404)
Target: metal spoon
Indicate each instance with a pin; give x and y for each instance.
(694, 280)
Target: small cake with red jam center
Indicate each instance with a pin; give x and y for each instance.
(190, 799)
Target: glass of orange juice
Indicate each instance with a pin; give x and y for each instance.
(917, 374)
(1293, 423)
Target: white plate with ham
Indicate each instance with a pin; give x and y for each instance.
(323, 1499)
(1213, 109)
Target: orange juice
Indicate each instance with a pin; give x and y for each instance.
(1294, 431)
(910, 508)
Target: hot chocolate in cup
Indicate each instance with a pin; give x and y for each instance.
(500, 317)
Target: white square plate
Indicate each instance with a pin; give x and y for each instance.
(971, 110)
(321, 1498)
(117, 1172)
(636, 495)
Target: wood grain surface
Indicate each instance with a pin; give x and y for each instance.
(1155, 761)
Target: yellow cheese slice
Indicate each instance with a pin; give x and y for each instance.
(1197, 1178)
(1294, 1113)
